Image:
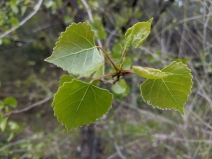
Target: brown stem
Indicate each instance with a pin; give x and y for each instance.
(111, 61)
(124, 72)
(122, 60)
(115, 74)
(106, 75)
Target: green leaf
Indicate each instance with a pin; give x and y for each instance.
(15, 9)
(77, 103)
(171, 92)
(150, 73)
(3, 124)
(10, 137)
(26, 2)
(119, 87)
(68, 19)
(14, 21)
(13, 2)
(76, 51)
(99, 30)
(11, 102)
(23, 10)
(127, 63)
(65, 78)
(6, 41)
(48, 4)
(13, 125)
(98, 73)
(137, 34)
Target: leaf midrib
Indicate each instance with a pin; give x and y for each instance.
(170, 92)
(82, 36)
(75, 53)
(79, 105)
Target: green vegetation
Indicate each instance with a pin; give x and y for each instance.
(76, 52)
(108, 104)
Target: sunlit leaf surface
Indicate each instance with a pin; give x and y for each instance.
(76, 51)
(170, 92)
(137, 34)
(77, 103)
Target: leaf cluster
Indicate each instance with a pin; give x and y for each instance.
(77, 103)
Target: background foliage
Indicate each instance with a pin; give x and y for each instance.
(132, 129)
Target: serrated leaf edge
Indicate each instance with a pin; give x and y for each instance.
(56, 45)
(83, 124)
(155, 106)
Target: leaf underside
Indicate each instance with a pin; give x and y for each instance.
(119, 87)
(150, 73)
(171, 92)
(77, 103)
(76, 51)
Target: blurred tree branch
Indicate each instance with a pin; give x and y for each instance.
(162, 8)
(31, 106)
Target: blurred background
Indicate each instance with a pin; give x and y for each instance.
(181, 30)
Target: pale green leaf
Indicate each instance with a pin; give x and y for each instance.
(77, 103)
(119, 87)
(15, 9)
(117, 50)
(127, 63)
(68, 19)
(48, 4)
(137, 34)
(6, 41)
(99, 30)
(11, 102)
(98, 73)
(14, 2)
(23, 10)
(14, 21)
(10, 137)
(150, 73)
(171, 92)
(128, 42)
(26, 2)
(65, 78)
(3, 124)
(13, 125)
(76, 51)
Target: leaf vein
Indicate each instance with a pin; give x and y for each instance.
(170, 92)
(69, 105)
(158, 92)
(83, 37)
(70, 94)
(79, 106)
(95, 101)
(72, 43)
(75, 53)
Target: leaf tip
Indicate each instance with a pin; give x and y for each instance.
(150, 20)
(47, 59)
(182, 112)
